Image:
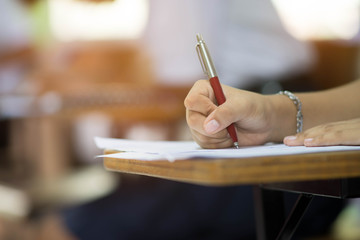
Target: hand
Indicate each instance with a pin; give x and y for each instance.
(336, 133)
(207, 122)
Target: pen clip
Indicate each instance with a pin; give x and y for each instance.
(204, 57)
(201, 59)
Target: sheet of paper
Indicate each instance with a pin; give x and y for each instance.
(178, 150)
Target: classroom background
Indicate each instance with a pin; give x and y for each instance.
(71, 70)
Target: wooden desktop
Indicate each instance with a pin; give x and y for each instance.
(330, 174)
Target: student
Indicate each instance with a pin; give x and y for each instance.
(330, 117)
(248, 42)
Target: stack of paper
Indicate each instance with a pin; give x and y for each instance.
(177, 150)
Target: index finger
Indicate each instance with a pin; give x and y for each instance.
(200, 98)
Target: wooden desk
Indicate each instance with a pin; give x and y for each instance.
(315, 166)
(332, 174)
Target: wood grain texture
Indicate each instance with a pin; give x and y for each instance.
(221, 172)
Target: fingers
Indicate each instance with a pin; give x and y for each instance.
(312, 137)
(208, 122)
(196, 120)
(308, 141)
(338, 133)
(296, 140)
(200, 99)
(219, 119)
(199, 104)
(205, 138)
(223, 141)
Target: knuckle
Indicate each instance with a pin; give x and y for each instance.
(191, 120)
(329, 127)
(307, 134)
(322, 140)
(203, 139)
(212, 146)
(226, 111)
(209, 109)
(200, 82)
(189, 102)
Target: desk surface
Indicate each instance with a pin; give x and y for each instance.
(220, 172)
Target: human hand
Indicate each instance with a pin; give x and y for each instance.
(207, 122)
(336, 133)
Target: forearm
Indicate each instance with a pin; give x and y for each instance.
(282, 112)
(337, 104)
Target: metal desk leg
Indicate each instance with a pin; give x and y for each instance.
(295, 216)
(269, 213)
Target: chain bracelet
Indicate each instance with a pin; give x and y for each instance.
(297, 103)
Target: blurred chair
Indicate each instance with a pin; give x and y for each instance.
(75, 90)
(337, 63)
(112, 79)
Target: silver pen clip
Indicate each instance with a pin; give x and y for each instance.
(204, 57)
(200, 59)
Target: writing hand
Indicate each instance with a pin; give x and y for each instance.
(207, 122)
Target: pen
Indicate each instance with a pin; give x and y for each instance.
(209, 69)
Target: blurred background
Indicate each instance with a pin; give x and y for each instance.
(74, 69)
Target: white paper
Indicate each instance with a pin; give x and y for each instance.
(178, 150)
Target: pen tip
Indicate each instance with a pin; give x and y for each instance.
(199, 37)
(236, 144)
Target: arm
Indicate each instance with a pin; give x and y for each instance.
(331, 117)
(338, 104)
(259, 119)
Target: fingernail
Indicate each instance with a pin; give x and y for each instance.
(211, 126)
(290, 138)
(308, 140)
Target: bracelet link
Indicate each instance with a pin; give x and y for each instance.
(298, 105)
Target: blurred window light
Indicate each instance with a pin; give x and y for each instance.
(320, 19)
(109, 20)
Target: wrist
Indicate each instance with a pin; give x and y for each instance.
(298, 105)
(282, 118)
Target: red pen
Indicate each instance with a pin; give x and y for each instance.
(209, 70)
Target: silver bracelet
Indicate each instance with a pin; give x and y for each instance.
(297, 103)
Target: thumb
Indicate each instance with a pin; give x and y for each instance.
(219, 119)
